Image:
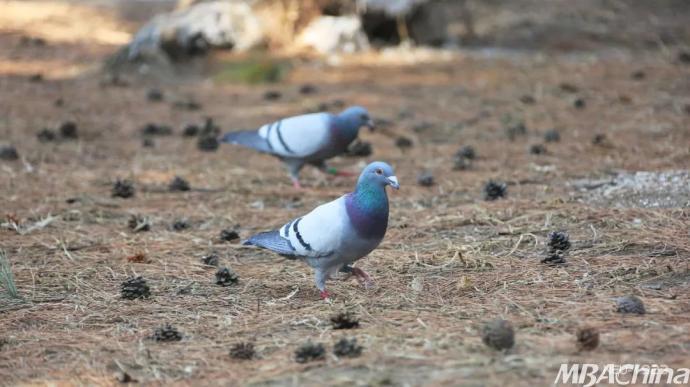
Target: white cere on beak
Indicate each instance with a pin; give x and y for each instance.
(393, 181)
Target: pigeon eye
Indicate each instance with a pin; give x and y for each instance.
(364, 117)
(379, 171)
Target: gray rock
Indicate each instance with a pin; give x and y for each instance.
(630, 304)
(334, 34)
(193, 30)
(662, 189)
(498, 334)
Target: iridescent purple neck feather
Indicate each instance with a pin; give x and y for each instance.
(367, 209)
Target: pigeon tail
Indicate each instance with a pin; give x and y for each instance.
(249, 139)
(271, 240)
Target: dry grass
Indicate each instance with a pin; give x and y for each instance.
(450, 260)
(7, 277)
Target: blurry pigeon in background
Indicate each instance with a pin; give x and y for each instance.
(306, 139)
(336, 234)
(401, 10)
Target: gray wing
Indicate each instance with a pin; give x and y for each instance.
(294, 137)
(298, 137)
(272, 240)
(249, 139)
(317, 234)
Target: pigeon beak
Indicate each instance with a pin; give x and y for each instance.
(393, 182)
(370, 124)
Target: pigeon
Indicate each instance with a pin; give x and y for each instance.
(306, 139)
(334, 235)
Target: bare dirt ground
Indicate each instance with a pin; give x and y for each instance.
(450, 260)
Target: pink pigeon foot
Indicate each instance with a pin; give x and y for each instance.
(363, 277)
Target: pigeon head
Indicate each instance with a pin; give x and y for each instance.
(367, 206)
(355, 117)
(380, 174)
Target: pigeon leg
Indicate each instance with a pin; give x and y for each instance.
(294, 166)
(363, 277)
(347, 268)
(320, 277)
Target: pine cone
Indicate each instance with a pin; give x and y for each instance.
(599, 139)
(210, 128)
(552, 135)
(190, 130)
(211, 260)
(154, 95)
(272, 95)
(403, 142)
(498, 334)
(554, 258)
(180, 224)
(167, 333)
(208, 143)
(425, 179)
(579, 103)
(226, 277)
(516, 131)
(684, 57)
(229, 235)
(152, 129)
(559, 241)
(347, 348)
(466, 152)
(630, 304)
(461, 163)
(528, 99)
(68, 130)
(187, 104)
(135, 288)
(344, 320)
(46, 135)
(494, 190)
(537, 149)
(179, 184)
(310, 352)
(243, 351)
(587, 338)
(123, 189)
(9, 153)
(307, 89)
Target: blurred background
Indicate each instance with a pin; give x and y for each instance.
(164, 38)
